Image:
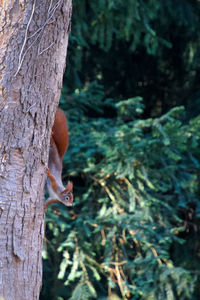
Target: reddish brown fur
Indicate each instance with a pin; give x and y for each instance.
(60, 133)
(50, 202)
(69, 188)
(52, 180)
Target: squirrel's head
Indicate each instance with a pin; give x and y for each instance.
(66, 196)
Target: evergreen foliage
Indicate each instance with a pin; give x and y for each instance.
(134, 160)
(146, 48)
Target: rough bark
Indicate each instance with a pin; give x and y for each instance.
(33, 44)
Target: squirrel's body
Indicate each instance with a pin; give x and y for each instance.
(58, 146)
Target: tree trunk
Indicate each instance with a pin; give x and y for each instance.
(33, 44)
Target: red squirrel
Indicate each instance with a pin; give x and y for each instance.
(58, 147)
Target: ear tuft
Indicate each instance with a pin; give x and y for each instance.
(69, 188)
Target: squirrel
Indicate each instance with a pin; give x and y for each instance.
(58, 146)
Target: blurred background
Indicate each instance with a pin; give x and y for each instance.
(132, 98)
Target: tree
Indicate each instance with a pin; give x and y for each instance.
(34, 40)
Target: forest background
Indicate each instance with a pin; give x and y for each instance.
(131, 94)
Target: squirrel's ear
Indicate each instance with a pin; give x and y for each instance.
(69, 188)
